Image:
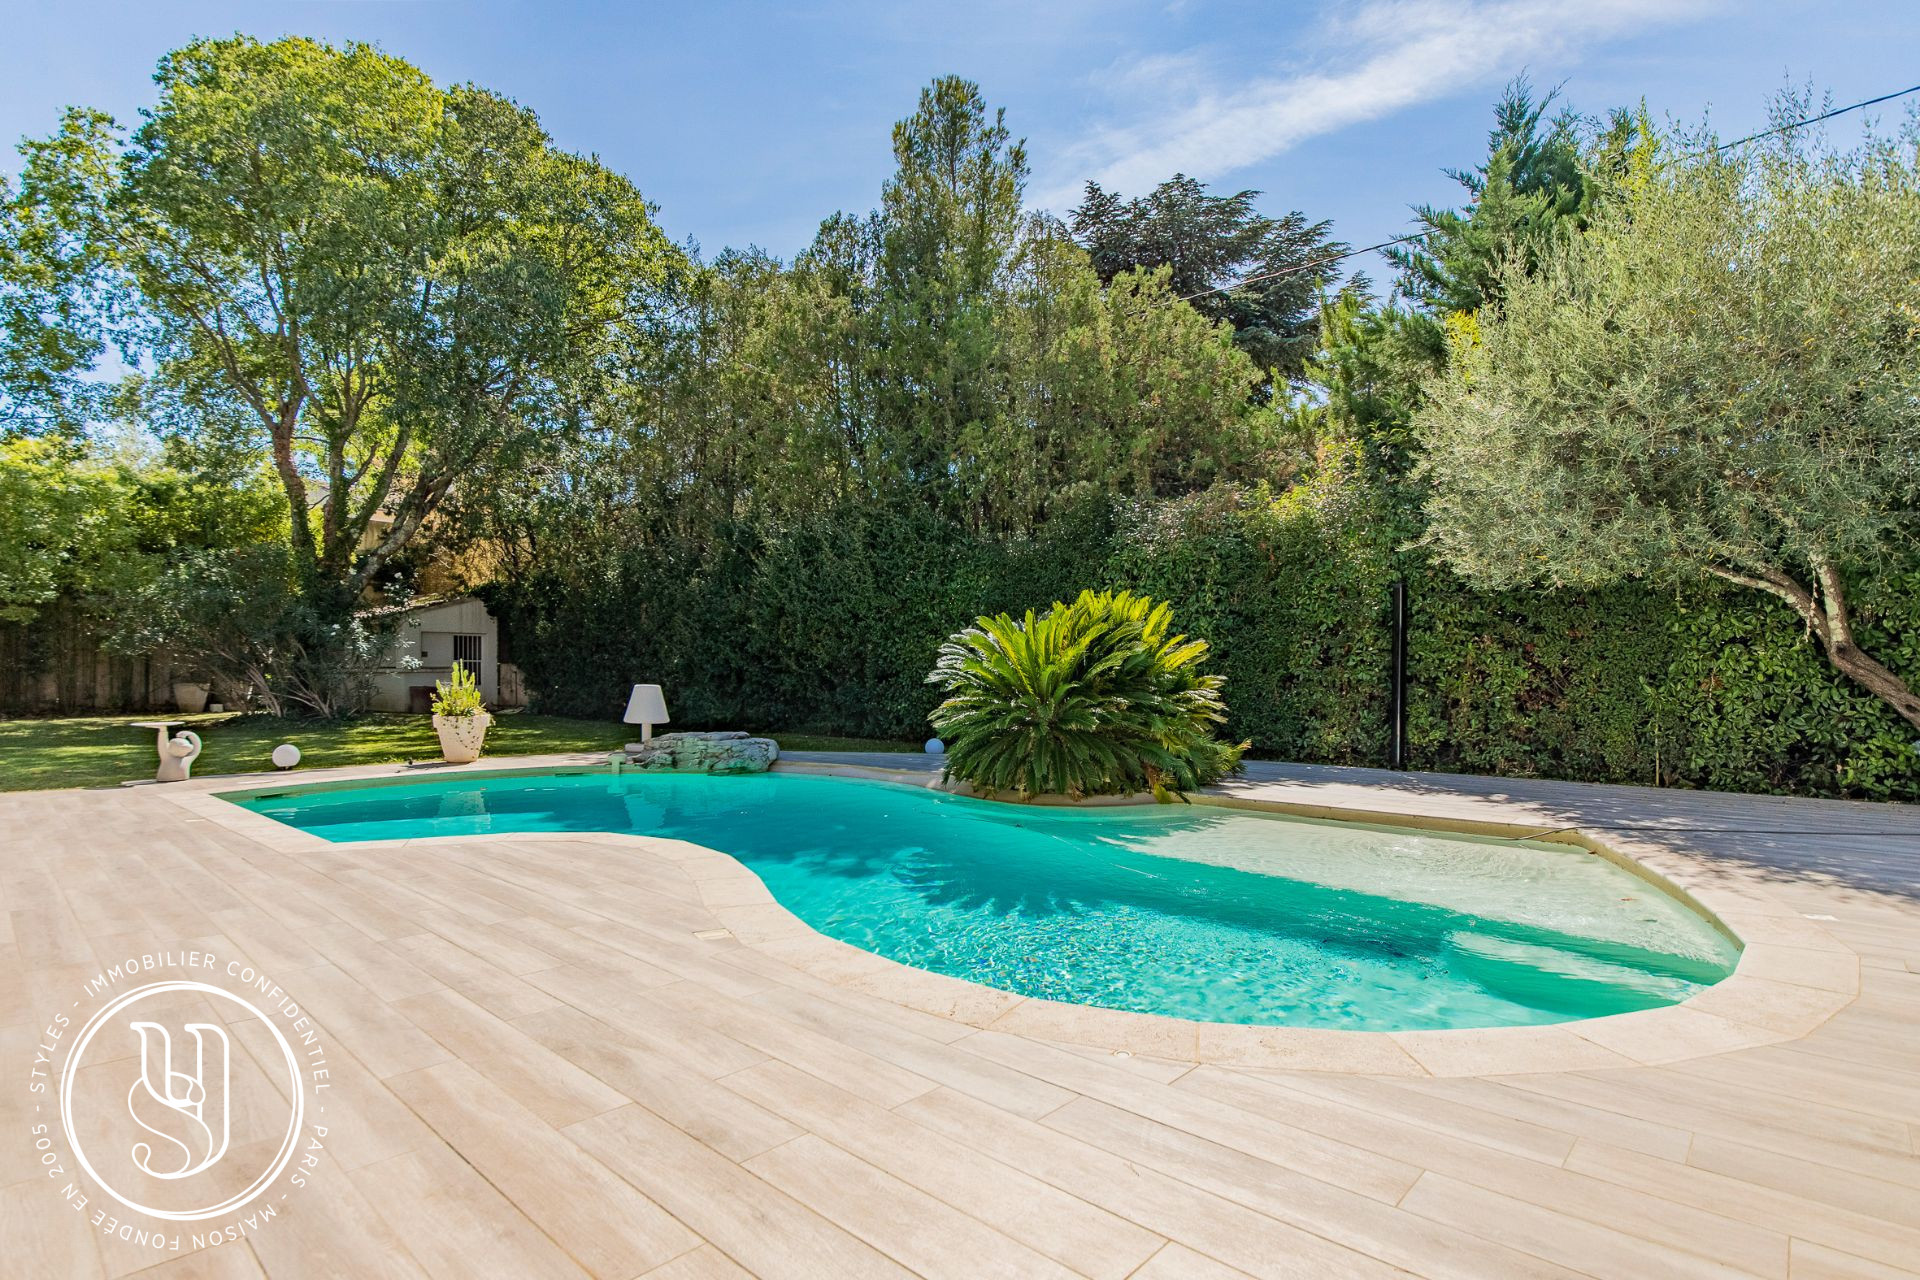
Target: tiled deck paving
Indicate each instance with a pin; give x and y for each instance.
(549, 1074)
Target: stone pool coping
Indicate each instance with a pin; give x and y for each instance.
(1792, 974)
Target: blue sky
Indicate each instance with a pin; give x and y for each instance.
(749, 123)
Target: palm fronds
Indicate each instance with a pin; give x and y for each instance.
(1096, 697)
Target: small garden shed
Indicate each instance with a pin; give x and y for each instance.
(436, 634)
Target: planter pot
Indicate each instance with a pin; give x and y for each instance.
(189, 697)
(461, 737)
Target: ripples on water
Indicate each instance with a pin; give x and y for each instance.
(1197, 912)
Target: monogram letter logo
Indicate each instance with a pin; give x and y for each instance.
(174, 1105)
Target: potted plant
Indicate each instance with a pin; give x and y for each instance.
(458, 717)
(191, 695)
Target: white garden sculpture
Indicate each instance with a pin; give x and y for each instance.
(176, 762)
(177, 753)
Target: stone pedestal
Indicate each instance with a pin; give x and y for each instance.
(728, 751)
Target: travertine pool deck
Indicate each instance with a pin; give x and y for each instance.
(613, 1056)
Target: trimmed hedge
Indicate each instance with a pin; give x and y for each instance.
(832, 627)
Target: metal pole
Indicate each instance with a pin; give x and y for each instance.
(1399, 730)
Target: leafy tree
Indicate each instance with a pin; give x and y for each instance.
(1208, 244)
(397, 288)
(93, 524)
(1533, 187)
(837, 275)
(1542, 179)
(1366, 379)
(945, 352)
(1116, 391)
(759, 373)
(1718, 379)
(52, 326)
(949, 221)
(66, 528)
(239, 612)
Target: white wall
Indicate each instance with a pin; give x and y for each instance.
(436, 624)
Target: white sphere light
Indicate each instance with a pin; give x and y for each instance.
(935, 747)
(286, 755)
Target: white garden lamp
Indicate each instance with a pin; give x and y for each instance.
(647, 707)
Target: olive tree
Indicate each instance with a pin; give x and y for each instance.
(1719, 378)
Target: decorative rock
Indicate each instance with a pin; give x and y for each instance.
(724, 751)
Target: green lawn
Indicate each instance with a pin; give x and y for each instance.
(98, 751)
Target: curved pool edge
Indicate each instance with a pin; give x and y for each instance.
(1571, 836)
(1759, 1004)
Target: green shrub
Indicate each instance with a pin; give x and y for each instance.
(1090, 698)
(830, 625)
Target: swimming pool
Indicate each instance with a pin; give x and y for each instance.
(1195, 912)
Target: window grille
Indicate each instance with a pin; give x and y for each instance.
(466, 653)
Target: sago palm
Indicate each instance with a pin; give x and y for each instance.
(1096, 697)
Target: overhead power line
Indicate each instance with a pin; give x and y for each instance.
(1342, 256)
(1798, 124)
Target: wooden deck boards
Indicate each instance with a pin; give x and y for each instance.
(542, 1071)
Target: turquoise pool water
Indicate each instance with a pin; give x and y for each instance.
(1196, 912)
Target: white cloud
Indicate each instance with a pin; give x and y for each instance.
(1382, 57)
